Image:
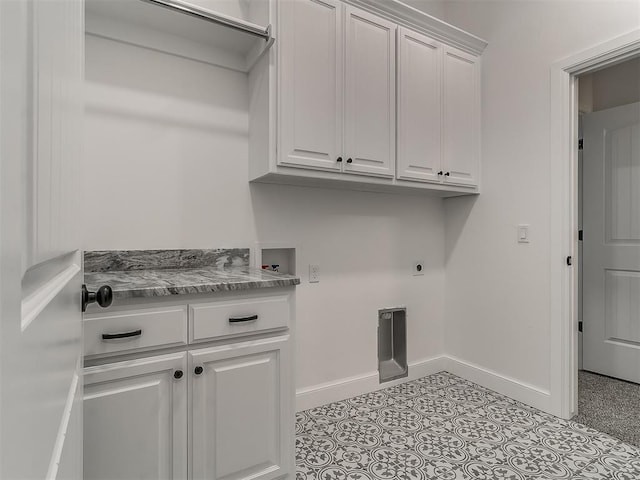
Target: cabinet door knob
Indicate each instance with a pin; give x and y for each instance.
(178, 374)
(349, 160)
(103, 297)
(198, 370)
(440, 172)
(339, 160)
(446, 174)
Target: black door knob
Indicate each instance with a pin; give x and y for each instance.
(178, 374)
(104, 296)
(198, 370)
(447, 174)
(339, 159)
(349, 160)
(440, 172)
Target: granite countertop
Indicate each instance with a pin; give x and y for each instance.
(153, 273)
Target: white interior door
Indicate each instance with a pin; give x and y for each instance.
(41, 55)
(611, 244)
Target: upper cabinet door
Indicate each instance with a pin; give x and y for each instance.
(419, 107)
(310, 56)
(370, 94)
(461, 97)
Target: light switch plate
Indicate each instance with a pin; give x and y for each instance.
(523, 233)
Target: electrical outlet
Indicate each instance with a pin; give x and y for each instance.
(314, 273)
(418, 268)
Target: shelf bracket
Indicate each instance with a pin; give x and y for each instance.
(270, 41)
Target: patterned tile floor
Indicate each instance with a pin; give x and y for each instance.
(445, 427)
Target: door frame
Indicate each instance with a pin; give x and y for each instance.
(563, 214)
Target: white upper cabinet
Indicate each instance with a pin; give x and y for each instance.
(419, 107)
(369, 94)
(336, 62)
(310, 120)
(438, 112)
(461, 120)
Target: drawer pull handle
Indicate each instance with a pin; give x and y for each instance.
(113, 336)
(250, 318)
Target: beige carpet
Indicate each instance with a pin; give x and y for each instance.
(610, 406)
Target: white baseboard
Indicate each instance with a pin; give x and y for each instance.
(525, 393)
(316, 395)
(344, 388)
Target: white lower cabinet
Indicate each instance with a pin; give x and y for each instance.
(135, 419)
(240, 422)
(219, 408)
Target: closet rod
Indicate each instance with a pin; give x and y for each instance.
(208, 16)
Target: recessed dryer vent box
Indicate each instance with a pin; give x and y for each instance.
(392, 344)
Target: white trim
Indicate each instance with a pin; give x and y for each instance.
(35, 303)
(512, 388)
(563, 220)
(316, 395)
(407, 16)
(56, 457)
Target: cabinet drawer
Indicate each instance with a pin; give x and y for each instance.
(135, 330)
(236, 317)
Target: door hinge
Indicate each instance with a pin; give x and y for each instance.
(580, 144)
(580, 235)
(580, 326)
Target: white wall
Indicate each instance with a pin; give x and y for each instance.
(166, 167)
(497, 291)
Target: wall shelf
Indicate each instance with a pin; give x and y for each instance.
(182, 29)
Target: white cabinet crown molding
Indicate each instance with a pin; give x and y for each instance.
(411, 17)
